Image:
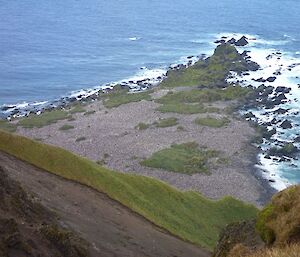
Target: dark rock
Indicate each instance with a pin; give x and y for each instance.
(242, 41)
(280, 97)
(222, 41)
(286, 124)
(231, 41)
(288, 150)
(6, 108)
(271, 79)
(249, 115)
(285, 90)
(262, 80)
(245, 54)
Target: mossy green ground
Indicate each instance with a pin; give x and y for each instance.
(66, 127)
(185, 214)
(77, 108)
(210, 72)
(167, 122)
(142, 126)
(186, 158)
(121, 96)
(6, 126)
(43, 119)
(212, 122)
(192, 101)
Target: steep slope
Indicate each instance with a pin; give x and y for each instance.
(110, 228)
(29, 229)
(185, 214)
(275, 233)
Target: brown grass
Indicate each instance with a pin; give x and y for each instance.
(279, 222)
(287, 251)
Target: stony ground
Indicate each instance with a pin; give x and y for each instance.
(111, 137)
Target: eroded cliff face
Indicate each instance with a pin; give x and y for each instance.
(29, 229)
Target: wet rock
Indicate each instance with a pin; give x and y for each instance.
(262, 80)
(245, 53)
(231, 41)
(222, 41)
(271, 79)
(286, 124)
(242, 41)
(6, 108)
(284, 90)
(249, 115)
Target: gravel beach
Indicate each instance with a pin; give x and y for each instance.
(111, 136)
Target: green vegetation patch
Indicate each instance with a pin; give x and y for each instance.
(121, 96)
(210, 72)
(89, 113)
(279, 221)
(161, 123)
(212, 122)
(186, 158)
(187, 215)
(44, 119)
(142, 126)
(182, 108)
(192, 101)
(167, 122)
(78, 108)
(66, 127)
(7, 126)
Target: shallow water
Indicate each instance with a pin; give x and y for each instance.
(50, 48)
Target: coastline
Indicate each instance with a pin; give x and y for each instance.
(112, 133)
(92, 98)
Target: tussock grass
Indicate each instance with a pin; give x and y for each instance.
(192, 101)
(212, 122)
(142, 126)
(7, 126)
(186, 158)
(66, 127)
(279, 222)
(286, 251)
(43, 119)
(188, 215)
(77, 108)
(121, 96)
(167, 122)
(182, 108)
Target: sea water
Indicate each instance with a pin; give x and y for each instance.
(51, 49)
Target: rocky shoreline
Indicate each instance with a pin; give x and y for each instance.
(263, 96)
(13, 111)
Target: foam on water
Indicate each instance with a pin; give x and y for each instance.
(286, 68)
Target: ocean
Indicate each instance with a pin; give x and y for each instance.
(54, 49)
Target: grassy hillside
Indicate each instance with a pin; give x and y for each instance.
(185, 214)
